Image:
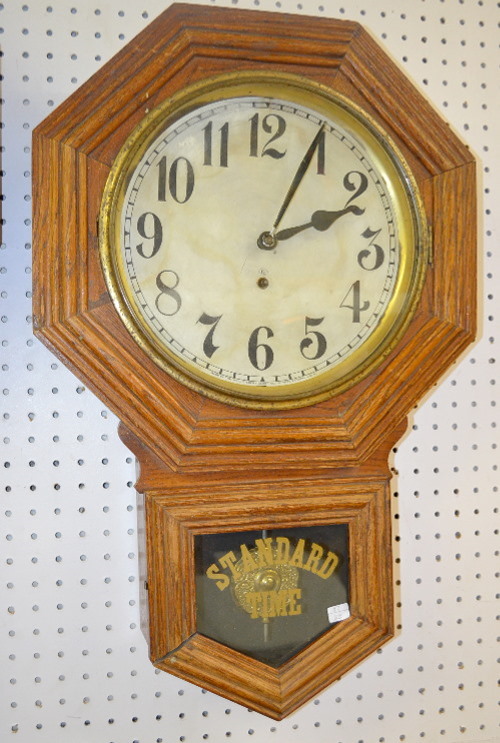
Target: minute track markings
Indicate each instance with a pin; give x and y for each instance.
(136, 205)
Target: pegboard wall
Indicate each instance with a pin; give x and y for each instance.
(74, 664)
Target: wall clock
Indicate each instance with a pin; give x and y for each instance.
(257, 246)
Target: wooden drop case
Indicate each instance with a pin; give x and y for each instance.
(266, 533)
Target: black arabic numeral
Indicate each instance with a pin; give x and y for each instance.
(167, 282)
(321, 153)
(272, 124)
(162, 179)
(254, 135)
(179, 177)
(208, 144)
(261, 355)
(314, 340)
(358, 184)
(208, 344)
(149, 227)
(354, 296)
(374, 254)
(187, 178)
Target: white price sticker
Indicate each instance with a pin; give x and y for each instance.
(338, 613)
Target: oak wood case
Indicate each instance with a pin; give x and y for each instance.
(206, 465)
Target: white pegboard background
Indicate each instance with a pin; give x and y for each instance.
(73, 662)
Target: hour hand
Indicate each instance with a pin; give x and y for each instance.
(321, 220)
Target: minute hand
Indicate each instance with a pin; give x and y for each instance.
(320, 220)
(297, 179)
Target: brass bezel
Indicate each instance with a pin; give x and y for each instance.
(407, 203)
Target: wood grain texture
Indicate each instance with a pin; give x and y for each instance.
(72, 310)
(207, 467)
(178, 507)
(176, 511)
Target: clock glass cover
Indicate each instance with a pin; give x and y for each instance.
(269, 593)
(262, 240)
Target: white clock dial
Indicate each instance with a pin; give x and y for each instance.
(260, 244)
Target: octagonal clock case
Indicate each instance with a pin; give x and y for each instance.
(257, 247)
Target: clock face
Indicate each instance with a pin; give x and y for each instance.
(262, 243)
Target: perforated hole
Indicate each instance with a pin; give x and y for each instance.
(75, 664)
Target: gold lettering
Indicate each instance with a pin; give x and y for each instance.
(254, 598)
(249, 563)
(295, 594)
(331, 562)
(314, 557)
(298, 555)
(222, 581)
(273, 551)
(267, 604)
(264, 551)
(282, 550)
(227, 561)
(277, 603)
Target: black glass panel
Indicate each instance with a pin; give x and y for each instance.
(270, 593)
